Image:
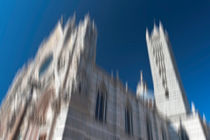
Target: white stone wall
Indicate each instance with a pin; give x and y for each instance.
(81, 123)
(71, 113)
(175, 103)
(175, 107)
(192, 124)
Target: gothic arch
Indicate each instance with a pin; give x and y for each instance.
(101, 103)
(128, 119)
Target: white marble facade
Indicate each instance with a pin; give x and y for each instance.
(63, 94)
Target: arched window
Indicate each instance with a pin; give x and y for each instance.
(128, 120)
(101, 106)
(45, 64)
(183, 134)
(149, 129)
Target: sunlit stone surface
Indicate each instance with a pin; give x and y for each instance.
(63, 94)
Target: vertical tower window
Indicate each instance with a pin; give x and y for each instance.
(80, 87)
(159, 60)
(101, 107)
(167, 93)
(128, 121)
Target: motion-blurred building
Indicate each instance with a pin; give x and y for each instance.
(63, 94)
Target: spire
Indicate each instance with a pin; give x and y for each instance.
(145, 87)
(70, 23)
(61, 20)
(193, 108)
(126, 86)
(204, 118)
(142, 86)
(69, 27)
(141, 76)
(147, 34)
(154, 23)
(155, 26)
(87, 18)
(161, 27)
(155, 31)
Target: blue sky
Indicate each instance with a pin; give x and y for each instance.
(121, 41)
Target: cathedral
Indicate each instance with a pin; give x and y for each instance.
(63, 94)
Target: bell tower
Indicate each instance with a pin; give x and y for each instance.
(169, 94)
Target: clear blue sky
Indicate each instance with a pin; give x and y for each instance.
(121, 37)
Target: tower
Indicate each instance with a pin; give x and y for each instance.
(169, 94)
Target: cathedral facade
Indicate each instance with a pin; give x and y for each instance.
(63, 94)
